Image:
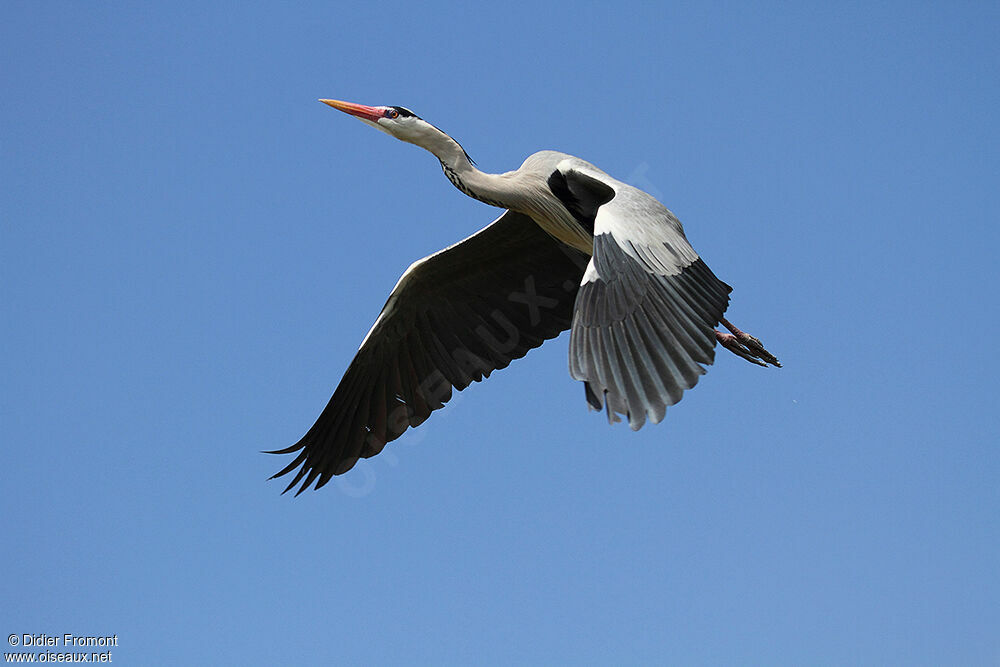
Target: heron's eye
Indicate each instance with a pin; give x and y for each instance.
(391, 113)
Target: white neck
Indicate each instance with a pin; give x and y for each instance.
(514, 190)
(493, 189)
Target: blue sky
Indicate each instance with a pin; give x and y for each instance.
(192, 248)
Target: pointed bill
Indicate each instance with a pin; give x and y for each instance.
(359, 110)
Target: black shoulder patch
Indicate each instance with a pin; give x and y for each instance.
(581, 195)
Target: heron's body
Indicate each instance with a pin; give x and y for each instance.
(576, 249)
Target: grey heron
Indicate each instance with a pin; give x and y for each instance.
(574, 249)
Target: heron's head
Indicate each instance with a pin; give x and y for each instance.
(399, 122)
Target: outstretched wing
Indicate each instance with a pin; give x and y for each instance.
(645, 315)
(452, 319)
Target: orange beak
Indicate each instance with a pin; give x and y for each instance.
(359, 110)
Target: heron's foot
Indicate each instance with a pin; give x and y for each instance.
(744, 345)
(732, 343)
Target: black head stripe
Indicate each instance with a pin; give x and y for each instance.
(404, 112)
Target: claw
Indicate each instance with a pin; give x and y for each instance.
(743, 344)
(757, 349)
(731, 343)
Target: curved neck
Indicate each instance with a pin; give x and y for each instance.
(521, 191)
(492, 189)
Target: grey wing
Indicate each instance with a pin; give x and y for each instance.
(453, 318)
(645, 315)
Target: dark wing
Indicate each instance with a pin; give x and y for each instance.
(452, 319)
(645, 316)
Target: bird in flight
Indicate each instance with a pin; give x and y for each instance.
(574, 249)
